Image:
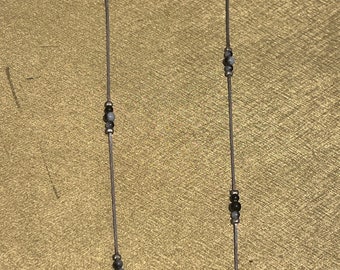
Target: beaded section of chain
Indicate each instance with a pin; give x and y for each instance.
(235, 205)
(109, 118)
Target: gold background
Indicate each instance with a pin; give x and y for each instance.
(171, 140)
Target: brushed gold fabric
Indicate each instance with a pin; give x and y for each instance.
(171, 140)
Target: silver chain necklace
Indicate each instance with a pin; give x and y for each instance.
(234, 206)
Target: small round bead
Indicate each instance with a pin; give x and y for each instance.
(235, 215)
(109, 125)
(108, 109)
(234, 198)
(231, 60)
(118, 265)
(110, 116)
(116, 257)
(235, 206)
(228, 68)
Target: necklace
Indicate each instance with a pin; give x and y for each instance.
(234, 206)
(109, 118)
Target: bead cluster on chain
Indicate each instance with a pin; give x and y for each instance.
(234, 207)
(109, 117)
(228, 62)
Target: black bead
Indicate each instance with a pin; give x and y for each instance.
(226, 62)
(118, 265)
(234, 206)
(234, 198)
(228, 68)
(109, 125)
(117, 262)
(108, 108)
(227, 53)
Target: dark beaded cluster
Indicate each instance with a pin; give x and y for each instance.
(109, 117)
(117, 262)
(228, 62)
(234, 207)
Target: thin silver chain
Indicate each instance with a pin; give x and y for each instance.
(231, 135)
(113, 195)
(108, 64)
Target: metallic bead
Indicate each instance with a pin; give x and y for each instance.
(233, 191)
(108, 104)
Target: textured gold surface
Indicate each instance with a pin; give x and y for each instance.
(171, 140)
